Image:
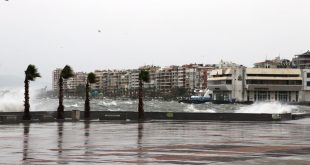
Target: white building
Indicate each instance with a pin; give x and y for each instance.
(256, 84)
(305, 93)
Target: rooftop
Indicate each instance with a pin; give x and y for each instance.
(304, 54)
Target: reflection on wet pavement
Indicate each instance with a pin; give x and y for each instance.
(156, 142)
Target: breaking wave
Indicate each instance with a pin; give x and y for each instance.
(11, 101)
(103, 103)
(269, 108)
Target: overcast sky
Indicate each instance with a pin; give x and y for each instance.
(101, 34)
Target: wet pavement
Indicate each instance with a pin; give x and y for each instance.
(156, 142)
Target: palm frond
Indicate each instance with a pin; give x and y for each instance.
(91, 78)
(32, 72)
(144, 76)
(67, 72)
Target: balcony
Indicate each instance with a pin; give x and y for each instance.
(268, 87)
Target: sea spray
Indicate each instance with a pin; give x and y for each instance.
(11, 101)
(267, 107)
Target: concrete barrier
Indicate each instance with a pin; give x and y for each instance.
(9, 118)
(106, 115)
(75, 115)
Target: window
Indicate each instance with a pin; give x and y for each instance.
(308, 75)
(283, 96)
(308, 83)
(228, 81)
(262, 95)
(297, 96)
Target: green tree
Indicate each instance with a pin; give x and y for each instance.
(91, 78)
(144, 76)
(66, 73)
(31, 74)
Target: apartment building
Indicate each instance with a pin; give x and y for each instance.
(99, 79)
(55, 79)
(133, 76)
(302, 61)
(192, 76)
(79, 79)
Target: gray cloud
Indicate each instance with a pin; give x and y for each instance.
(53, 33)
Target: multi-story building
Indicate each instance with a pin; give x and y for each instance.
(192, 76)
(273, 84)
(79, 79)
(302, 61)
(56, 76)
(305, 93)
(256, 84)
(177, 76)
(133, 81)
(163, 79)
(99, 79)
(275, 63)
(196, 76)
(152, 72)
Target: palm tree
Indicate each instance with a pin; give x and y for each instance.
(31, 74)
(91, 78)
(66, 73)
(144, 76)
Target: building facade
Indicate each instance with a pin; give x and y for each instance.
(302, 61)
(111, 82)
(274, 63)
(256, 84)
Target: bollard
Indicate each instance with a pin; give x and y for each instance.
(75, 115)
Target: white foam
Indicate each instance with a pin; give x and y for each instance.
(112, 103)
(128, 102)
(191, 108)
(267, 107)
(72, 106)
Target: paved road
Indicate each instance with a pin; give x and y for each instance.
(157, 142)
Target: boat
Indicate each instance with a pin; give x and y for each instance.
(207, 97)
(195, 100)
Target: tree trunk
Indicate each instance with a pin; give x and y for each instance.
(140, 107)
(26, 104)
(87, 106)
(60, 110)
